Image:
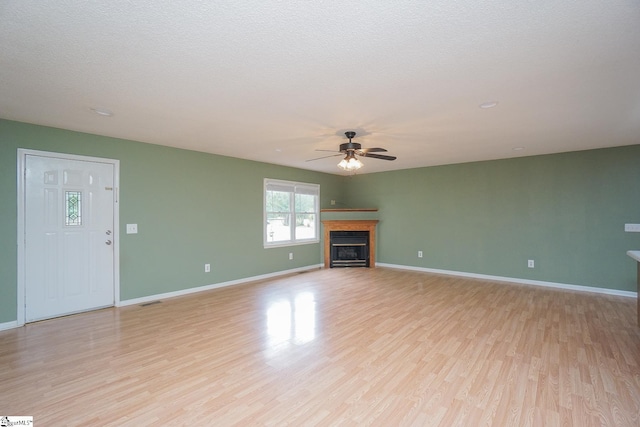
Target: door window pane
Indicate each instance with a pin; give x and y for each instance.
(73, 208)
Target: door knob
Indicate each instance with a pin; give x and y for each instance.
(108, 242)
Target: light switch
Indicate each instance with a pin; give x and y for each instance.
(132, 228)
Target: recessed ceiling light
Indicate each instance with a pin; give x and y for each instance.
(278, 150)
(102, 111)
(518, 148)
(488, 104)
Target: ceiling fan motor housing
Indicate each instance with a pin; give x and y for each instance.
(349, 146)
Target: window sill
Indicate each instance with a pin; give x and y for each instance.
(285, 244)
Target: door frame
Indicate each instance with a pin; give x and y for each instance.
(22, 164)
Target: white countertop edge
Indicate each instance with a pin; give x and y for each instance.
(634, 254)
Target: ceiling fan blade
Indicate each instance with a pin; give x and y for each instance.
(373, 150)
(325, 157)
(379, 156)
(330, 151)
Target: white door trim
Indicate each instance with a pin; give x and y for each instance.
(22, 160)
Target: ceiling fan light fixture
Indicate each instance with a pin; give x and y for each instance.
(350, 163)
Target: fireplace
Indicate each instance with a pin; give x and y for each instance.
(355, 245)
(349, 248)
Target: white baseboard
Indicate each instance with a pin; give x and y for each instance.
(515, 280)
(14, 324)
(8, 325)
(157, 297)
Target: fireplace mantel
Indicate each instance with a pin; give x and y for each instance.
(350, 225)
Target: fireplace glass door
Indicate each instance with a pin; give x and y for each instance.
(349, 249)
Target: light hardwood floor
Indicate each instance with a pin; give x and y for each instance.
(335, 347)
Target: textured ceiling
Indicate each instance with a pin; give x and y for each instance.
(274, 81)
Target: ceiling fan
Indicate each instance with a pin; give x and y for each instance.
(351, 149)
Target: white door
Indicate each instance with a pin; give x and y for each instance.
(69, 233)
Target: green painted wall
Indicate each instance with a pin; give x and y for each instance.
(191, 208)
(565, 211)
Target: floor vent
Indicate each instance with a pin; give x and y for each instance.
(150, 303)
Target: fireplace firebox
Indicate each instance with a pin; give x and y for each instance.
(349, 249)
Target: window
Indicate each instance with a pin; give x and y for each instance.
(291, 212)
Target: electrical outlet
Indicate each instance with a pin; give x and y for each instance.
(290, 255)
(419, 254)
(132, 228)
(531, 263)
(632, 228)
(207, 268)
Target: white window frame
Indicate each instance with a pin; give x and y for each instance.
(293, 188)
